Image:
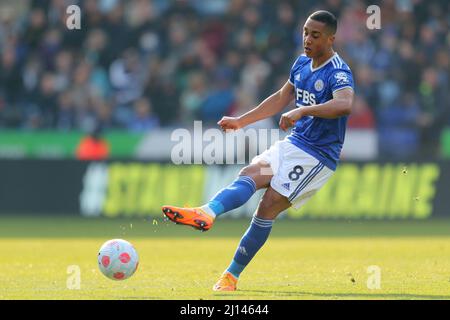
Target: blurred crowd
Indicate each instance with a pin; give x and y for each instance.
(143, 64)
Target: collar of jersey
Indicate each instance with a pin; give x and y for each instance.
(323, 64)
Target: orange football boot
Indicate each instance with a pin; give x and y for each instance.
(226, 282)
(194, 217)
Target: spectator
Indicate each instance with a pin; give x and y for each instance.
(63, 70)
(66, 117)
(399, 129)
(103, 111)
(10, 79)
(243, 50)
(144, 119)
(434, 113)
(44, 107)
(220, 101)
(193, 97)
(126, 80)
(362, 116)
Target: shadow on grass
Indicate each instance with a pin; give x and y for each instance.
(402, 296)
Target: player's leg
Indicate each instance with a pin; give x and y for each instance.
(270, 206)
(298, 178)
(240, 190)
(251, 178)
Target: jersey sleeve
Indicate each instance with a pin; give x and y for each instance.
(341, 78)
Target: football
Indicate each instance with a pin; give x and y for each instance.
(118, 259)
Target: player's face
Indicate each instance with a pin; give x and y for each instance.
(316, 39)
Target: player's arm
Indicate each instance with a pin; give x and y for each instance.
(266, 109)
(340, 105)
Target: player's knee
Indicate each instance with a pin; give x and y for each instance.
(255, 172)
(248, 171)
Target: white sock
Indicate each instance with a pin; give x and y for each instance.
(208, 210)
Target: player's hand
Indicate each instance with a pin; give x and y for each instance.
(288, 119)
(230, 123)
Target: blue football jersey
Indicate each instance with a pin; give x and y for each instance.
(321, 138)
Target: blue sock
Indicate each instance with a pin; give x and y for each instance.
(251, 242)
(233, 196)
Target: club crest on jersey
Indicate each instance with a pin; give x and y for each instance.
(297, 77)
(318, 85)
(341, 78)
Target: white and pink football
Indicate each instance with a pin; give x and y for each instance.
(118, 259)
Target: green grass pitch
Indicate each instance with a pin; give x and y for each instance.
(301, 260)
